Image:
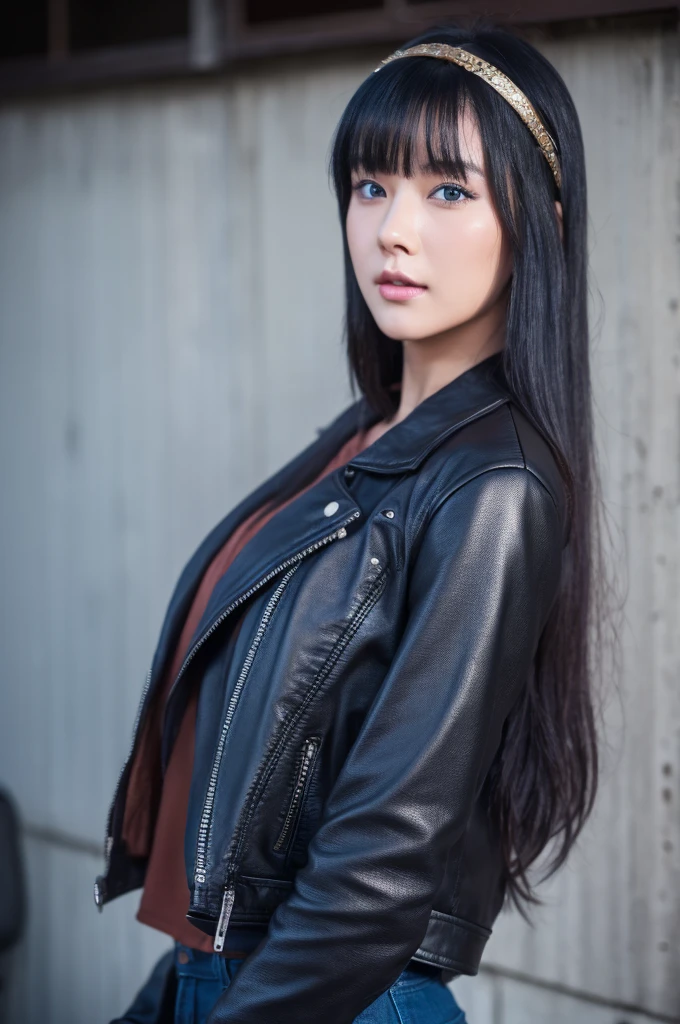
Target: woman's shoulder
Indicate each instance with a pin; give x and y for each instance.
(503, 440)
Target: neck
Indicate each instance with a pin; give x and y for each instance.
(431, 363)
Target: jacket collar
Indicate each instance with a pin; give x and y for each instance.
(404, 446)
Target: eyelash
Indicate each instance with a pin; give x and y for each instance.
(467, 194)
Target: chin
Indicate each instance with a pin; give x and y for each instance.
(404, 328)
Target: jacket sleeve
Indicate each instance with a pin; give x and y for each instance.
(482, 583)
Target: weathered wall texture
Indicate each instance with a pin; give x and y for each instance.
(170, 310)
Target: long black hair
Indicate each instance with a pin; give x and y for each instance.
(544, 779)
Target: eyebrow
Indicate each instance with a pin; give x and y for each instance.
(465, 166)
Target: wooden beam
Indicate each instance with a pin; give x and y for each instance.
(57, 29)
(25, 77)
(537, 11)
(220, 38)
(206, 33)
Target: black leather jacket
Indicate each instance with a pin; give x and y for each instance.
(338, 809)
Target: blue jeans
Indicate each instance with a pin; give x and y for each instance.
(414, 998)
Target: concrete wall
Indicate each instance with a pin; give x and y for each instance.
(170, 311)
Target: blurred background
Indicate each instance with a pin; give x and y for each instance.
(170, 334)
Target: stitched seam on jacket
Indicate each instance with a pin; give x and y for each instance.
(444, 961)
(528, 468)
(461, 922)
(445, 494)
(422, 516)
(430, 509)
(517, 437)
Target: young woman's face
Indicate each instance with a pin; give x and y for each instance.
(443, 235)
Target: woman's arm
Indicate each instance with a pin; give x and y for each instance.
(484, 579)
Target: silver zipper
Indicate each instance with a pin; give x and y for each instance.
(242, 827)
(340, 532)
(204, 828)
(225, 914)
(108, 838)
(310, 749)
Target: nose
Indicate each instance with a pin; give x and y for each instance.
(399, 229)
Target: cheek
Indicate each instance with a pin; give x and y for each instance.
(471, 250)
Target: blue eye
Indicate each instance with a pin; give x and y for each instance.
(452, 193)
(370, 190)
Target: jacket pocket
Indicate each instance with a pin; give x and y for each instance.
(303, 772)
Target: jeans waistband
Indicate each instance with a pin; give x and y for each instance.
(195, 963)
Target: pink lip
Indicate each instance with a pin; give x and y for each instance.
(400, 292)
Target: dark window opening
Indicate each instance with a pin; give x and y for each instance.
(258, 12)
(119, 23)
(23, 29)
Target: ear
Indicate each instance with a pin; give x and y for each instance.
(560, 221)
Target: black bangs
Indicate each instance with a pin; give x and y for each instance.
(409, 102)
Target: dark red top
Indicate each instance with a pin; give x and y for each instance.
(156, 806)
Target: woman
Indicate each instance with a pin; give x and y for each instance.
(369, 710)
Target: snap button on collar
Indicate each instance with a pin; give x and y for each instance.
(331, 508)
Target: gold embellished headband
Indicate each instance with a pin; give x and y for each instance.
(498, 81)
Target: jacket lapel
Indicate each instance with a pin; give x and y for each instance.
(313, 519)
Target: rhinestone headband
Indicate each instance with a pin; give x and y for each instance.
(498, 81)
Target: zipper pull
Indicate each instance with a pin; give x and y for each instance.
(225, 914)
(99, 892)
